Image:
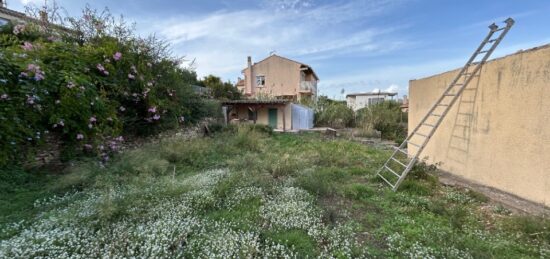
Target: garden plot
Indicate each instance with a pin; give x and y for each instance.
(246, 194)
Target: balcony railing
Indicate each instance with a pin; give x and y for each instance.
(308, 87)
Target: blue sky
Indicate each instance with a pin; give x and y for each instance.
(358, 46)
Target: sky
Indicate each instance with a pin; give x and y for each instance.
(354, 46)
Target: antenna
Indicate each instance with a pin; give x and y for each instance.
(270, 53)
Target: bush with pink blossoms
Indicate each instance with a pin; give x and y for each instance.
(88, 86)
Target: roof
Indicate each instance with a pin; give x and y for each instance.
(372, 94)
(252, 101)
(240, 82)
(27, 18)
(291, 60)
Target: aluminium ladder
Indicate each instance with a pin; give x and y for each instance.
(401, 161)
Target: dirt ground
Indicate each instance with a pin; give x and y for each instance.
(514, 203)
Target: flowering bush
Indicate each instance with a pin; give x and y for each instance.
(87, 86)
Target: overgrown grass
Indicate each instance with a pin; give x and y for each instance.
(247, 193)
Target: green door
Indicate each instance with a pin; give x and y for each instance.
(272, 117)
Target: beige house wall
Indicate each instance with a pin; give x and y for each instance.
(498, 132)
(282, 77)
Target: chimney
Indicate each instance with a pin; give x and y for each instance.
(249, 85)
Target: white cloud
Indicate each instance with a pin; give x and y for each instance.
(221, 41)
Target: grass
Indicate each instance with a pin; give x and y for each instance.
(248, 193)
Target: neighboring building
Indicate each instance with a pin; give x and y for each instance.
(276, 77)
(405, 104)
(15, 17)
(8, 15)
(240, 85)
(498, 132)
(361, 100)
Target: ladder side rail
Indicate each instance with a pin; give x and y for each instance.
(424, 119)
(459, 75)
(461, 89)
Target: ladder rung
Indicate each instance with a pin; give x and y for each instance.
(442, 104)
(491, 41)
(465, 114)
(485, 51)
(388, 182)
(450, 95)
(420, 134)
(416, 145)
(400, 150)
(500, 29)
(399, 162)
(393, 172)
(429, 125)
(436, 115)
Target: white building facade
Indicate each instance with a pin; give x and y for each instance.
(361, 100)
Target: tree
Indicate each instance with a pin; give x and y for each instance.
(220, 90)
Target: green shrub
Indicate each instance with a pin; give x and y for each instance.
(334, 114)
(88, 86)
(385, 117)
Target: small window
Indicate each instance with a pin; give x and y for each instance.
(260, 81)
(3, 22)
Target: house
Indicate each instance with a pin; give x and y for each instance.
(358, 101)
(15, 17)
(281, 115)
(272, 87)
(278, 77)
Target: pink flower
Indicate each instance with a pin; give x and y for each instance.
(18, 29)
(119, 138)
(150, 84)
(100, 67)
(79, 136)
(133, 68)
(106, 72)
(132, 77)
(88, 146)
(149, 64)
(62, 123)
(93, 119)
(117, 56)
(90, 126)
(24, 74)
(152, 109)
(121, 108)
(70, 85)
(27, 46)
(30, 99)
(182, 119)
(156, 117)
(4, 96)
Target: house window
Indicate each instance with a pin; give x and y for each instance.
(260, 81)
(3, 22)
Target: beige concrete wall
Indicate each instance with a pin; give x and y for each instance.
(498, 133)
